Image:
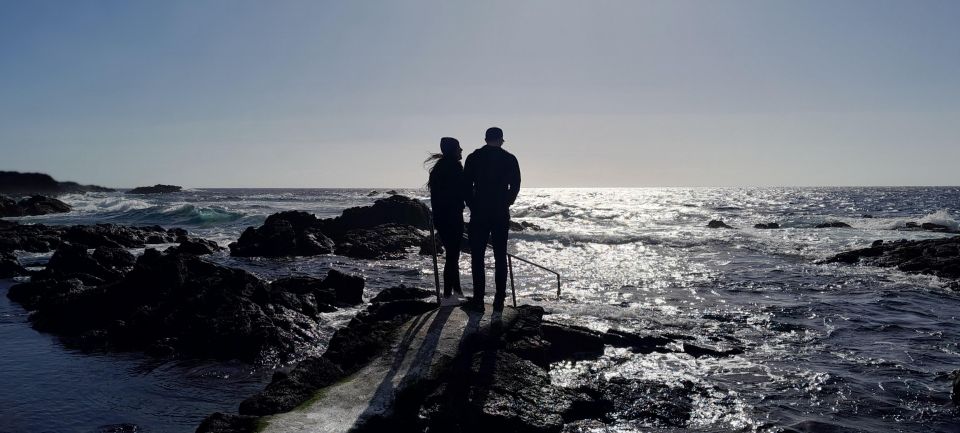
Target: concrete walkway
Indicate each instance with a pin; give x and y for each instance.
(423, 349)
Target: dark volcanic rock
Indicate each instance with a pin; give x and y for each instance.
(940, 257)
(290, 233)
(718, 224)
(156, 189)
(387, 241)
(933, 227)
(10, 266)
(288, 390)
(385, 230)
(401, 293)
(570, 342)
(35, 294)
(500, 392)
(698, 351)
(637, 343)
(655, 403)
(833, 224)
(12, 182)
(766, 226)
(396, 209)
(73, 261)
(35, 205)
(173, 304)
(40, 238)
(196, 246)
(117, 236)
(347, 289)
(937, 228)
(41, 205)
(524, 225)
(9, 207)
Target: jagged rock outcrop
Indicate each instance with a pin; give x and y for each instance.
(766, 226)
(290, 233)
(176, 304)
(940, 257)
(31, 206)
(524, 225)
(718, 224)
(156, 189)
(387, 241)
(195, 246)
(10, 266)
(933, 227)
(382, 231)
(118, 236)
(39, 238)
(396, 209)
(833, 224)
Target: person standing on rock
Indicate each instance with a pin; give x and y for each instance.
(491, 181)
(446, 198)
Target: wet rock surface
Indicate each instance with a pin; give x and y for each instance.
(933, 227)
(32, 206)
(382, 231)
(718, 224)
(156, 189)
(39, 238)
(833, 224)
(387, 241)
(350, 348)
(955, 395)
(10, 266)
(766, 226)
(940, 257)
(176, 304)
(497, 379)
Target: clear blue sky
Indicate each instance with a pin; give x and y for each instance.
(599, 93)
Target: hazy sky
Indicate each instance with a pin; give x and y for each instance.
(589, 93)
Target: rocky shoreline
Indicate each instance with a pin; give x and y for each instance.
(95, 295)
(496, 379)
(939, 257)
(176, 304)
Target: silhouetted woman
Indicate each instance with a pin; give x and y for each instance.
(446, 197)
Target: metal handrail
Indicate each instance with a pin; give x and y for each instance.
(510, 257)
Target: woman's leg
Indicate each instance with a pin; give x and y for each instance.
(451, 270)
(449, 237)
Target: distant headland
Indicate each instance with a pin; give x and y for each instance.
(13, 182)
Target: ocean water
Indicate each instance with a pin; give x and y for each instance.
(826, 347)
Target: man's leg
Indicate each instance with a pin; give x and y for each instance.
(499, 233)
(479, 234)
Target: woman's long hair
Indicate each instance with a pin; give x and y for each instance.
(431, 164)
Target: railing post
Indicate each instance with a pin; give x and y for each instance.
(513, 289)
(436, 269)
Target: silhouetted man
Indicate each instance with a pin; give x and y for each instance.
(491, 182)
